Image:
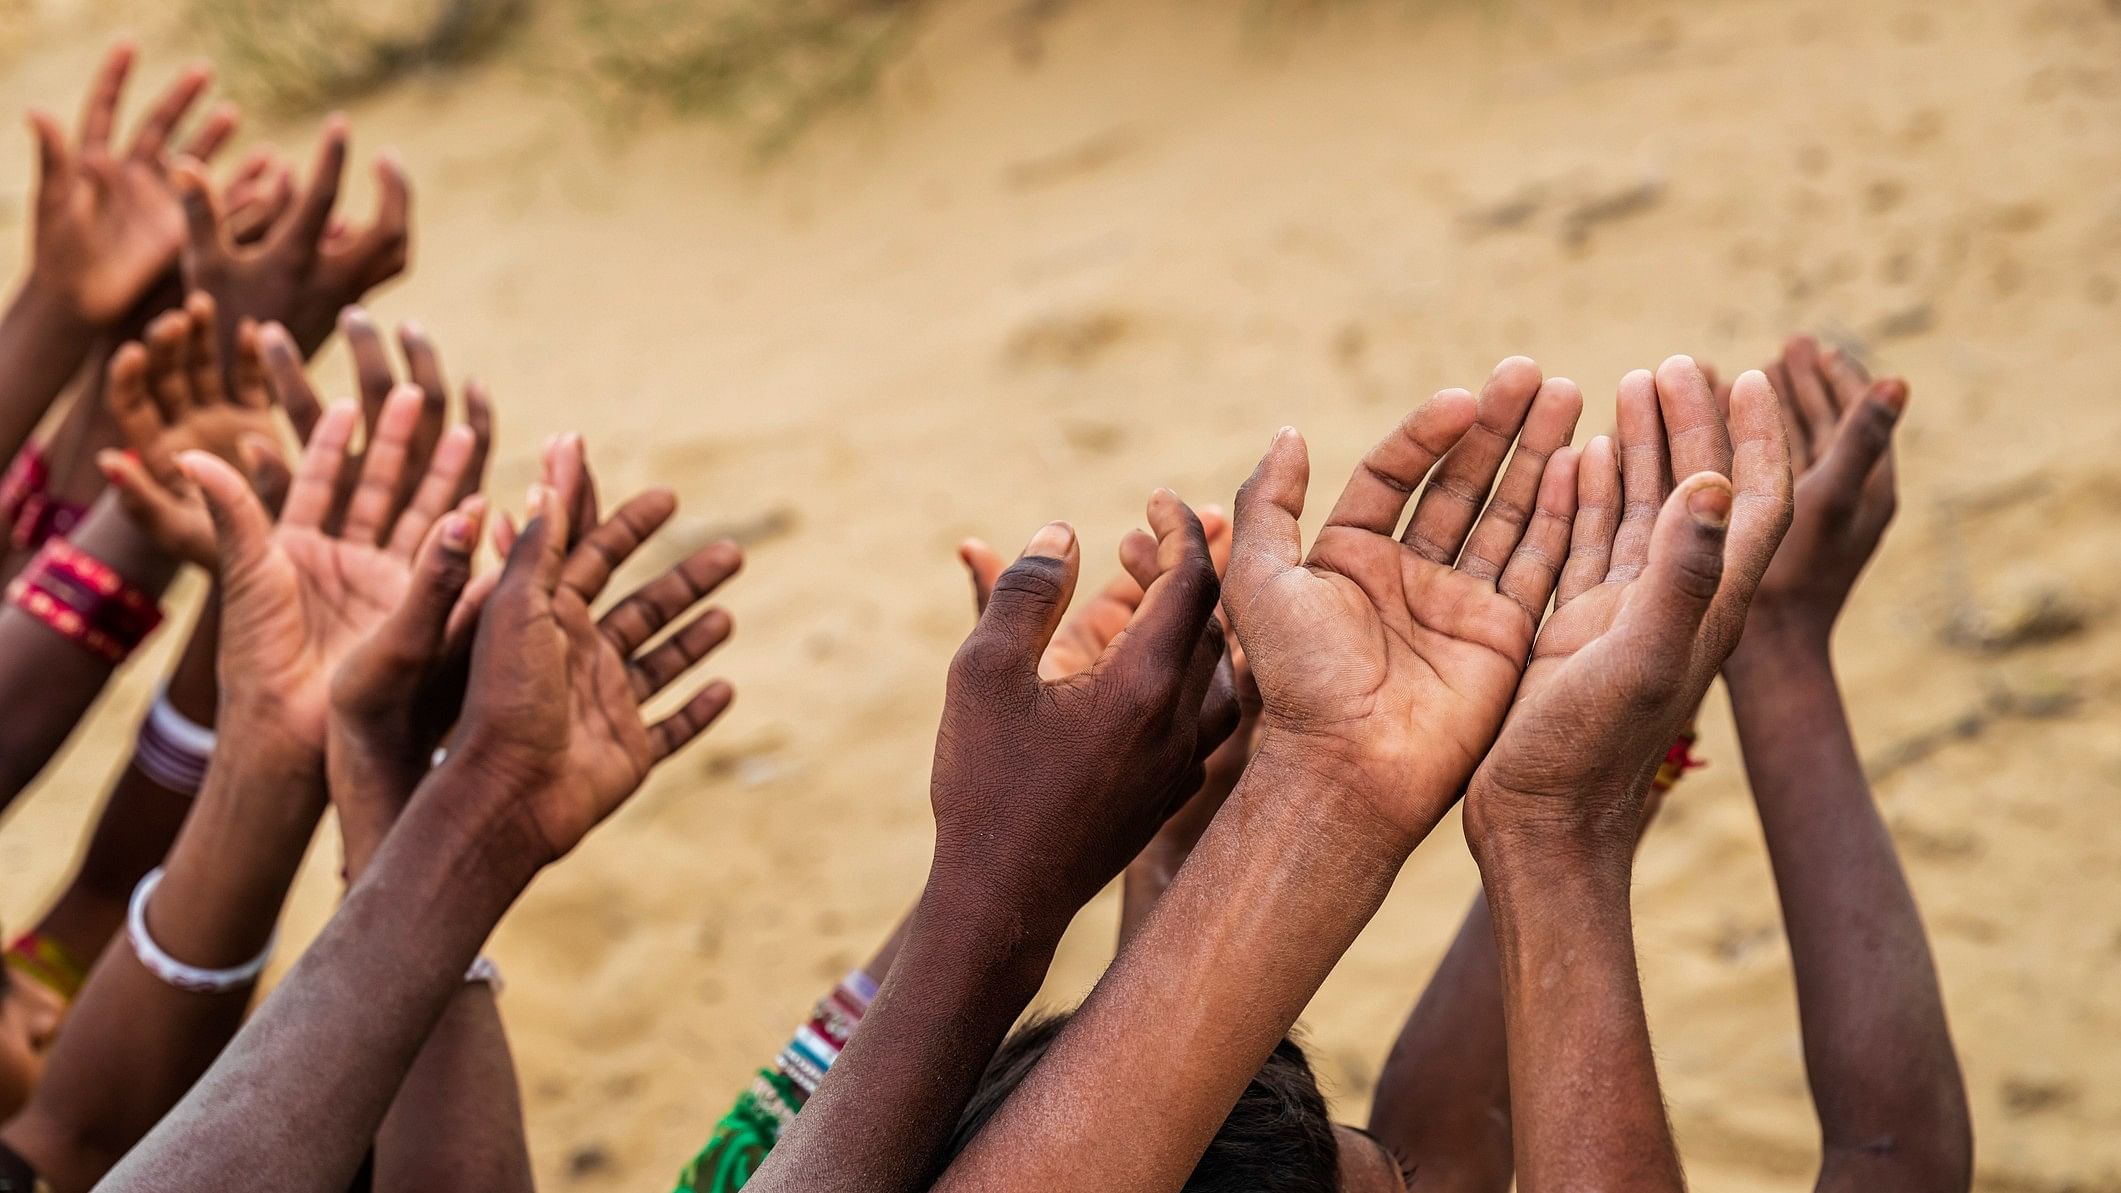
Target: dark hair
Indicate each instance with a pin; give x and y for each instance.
(1278, 1138)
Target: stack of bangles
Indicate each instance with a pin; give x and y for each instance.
(1677, 761)
(27, 509)
(744, 1135)
(172, 750)
(85, 601)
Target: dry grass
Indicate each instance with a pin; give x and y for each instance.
(300, 55)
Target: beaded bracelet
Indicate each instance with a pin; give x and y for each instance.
(172, 749)
(174, 972)
(27, 508)
(85, 601)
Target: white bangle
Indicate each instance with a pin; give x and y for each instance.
(177, 973)
(171, 748)
(484, 970)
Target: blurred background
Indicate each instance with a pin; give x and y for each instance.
(861, 277)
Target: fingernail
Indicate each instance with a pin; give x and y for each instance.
(456, 532)
(1051, 541)
(132, 455)
(1892, 393)
(534, 500)
(1711, 506)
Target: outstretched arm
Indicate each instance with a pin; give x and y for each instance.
(1884, 1076)
(551, 742)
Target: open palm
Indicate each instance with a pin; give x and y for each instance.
(1400, 655)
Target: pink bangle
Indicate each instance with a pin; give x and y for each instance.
(85, 601)
(27, 509)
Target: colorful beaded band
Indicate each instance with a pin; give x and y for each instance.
(48, 963)
(174, 972)
(84, 601)
(744, 1135)
(27, 508)
(172, 749)
(1677, 761)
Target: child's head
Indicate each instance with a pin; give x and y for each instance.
(1278, 1138)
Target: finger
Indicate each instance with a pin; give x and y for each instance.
(368, 512)
(1025, 606)
(53, 161)
(1694, 434)
(1137, 558)
(677, 730)
(984, 564)
(567, 471)
(316, 483)
(203, 350)
(1760, 474)
(313, 210)
(161, 120)
(203, 238)
(1452, 499)
(148, 501)
(677, 654)
(1800, 443)
(290, 385)
(609, 545)
(240, 523)
(1645, 473)
(1215, 523)
(264, 206)
(422, 362)
(379, 250)
(1598, 511)
(542, 547)
(131, 406)
(252, 390)
(644, 614)
(478, 415)
(1205, 669)
(436, 493)
(373, 378)
(1861, 443)
(1548, 427)
(504, 533)
(1181, 599)
(1814, 408)
(1390, 472)
(1265, 538)
(1535, 566)
(441, 569)
(213, 133)
(168, 377)
(1666, 607)
(99, 112)
(269, 477)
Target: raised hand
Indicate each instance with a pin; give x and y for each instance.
(303, 268)
(1652, 600)
(1842, 456)
(374, 381)
(553, 707)
(1397, 656)
(297, 598)
(169, 397)
(108, 225)
(1052, 785)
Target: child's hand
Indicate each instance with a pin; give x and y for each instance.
(170, 397)
(1392, 660)
(1842, 454)
(108, 224)
(1653, 597)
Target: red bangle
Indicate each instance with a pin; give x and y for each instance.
(84, 601)
(27, 509)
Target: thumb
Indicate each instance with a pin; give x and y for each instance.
(440, 572)
(539, 553)
(269, 475)
(1265, 537)
(202, 219)
(1686, 562)
(1025, 605)
(1865, 435)
(51, 154)
(985, 565)
(240, 523)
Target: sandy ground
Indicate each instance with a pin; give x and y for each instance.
(1014, 287)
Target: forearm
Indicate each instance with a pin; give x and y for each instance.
(357, 1006)
(41, 347)
(1884, 1076)
(48, 681)
(1273, 895)
(142, 816)
(134, 1043)
(1443, 1099)
(1584, 1098)
(457, 1120)
(966, 969)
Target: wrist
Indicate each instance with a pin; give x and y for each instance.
(477, 820)
(1772, 629)
(1522, 873)
(1586, 835)
(46, 312)
(1344, 788)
